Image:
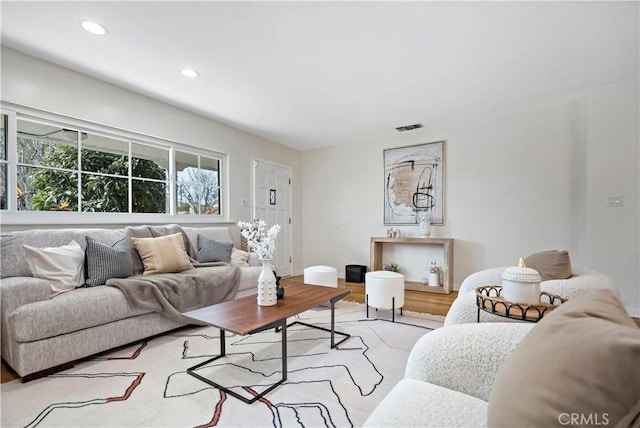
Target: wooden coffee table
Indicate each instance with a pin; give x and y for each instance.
(243, 316)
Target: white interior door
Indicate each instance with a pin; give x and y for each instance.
(272, 203)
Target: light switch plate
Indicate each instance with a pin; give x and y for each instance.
(614, 201)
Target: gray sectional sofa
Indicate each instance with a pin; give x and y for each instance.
(44, 332)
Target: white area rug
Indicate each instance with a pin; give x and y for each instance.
(146, 384)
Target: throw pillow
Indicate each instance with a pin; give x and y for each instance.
(552, 264)
(239, 256)
(62, 266)
(165, 254)
(210, 250)
(12, 262)
(580, 362)
(107, 261)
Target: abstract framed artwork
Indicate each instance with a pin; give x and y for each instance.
(414, 183)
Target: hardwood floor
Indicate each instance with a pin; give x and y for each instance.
(417, 301)
(7, 374)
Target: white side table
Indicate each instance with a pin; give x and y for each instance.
(384, 290)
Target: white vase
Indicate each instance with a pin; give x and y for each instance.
(434, 279)
(424, 224)
(267, 285)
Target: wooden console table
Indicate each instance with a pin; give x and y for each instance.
(447, 267)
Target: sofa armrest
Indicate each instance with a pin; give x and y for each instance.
(465, 358)
(581, 281)
(16, 292)
(481, 278)
(464, 310)
(412, 403)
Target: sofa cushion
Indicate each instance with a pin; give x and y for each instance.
(62, 266)
(107, 261)
(165, 254)
(13, 257)
(214, 232)
(211, 250)
(581, 359)
(41, 238)
(552, 264)
(239, 256)
(68, 312)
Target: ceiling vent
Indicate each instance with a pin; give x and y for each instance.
(409, 127)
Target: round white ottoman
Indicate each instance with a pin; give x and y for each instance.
(321, 275)
(384, 290)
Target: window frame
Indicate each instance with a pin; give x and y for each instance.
(4, 161)
(12, 216)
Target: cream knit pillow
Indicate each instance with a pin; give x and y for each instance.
(62, 266)
(165, 254)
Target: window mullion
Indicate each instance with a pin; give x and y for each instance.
(79, 170)
(172, 186)
(199, 193)
(130, 178)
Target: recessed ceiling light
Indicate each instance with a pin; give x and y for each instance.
(94, 28)
(190, 73)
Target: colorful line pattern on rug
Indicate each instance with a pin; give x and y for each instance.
(147, 384)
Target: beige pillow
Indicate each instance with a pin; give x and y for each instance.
(165, 254)
(552, 264)
(579, 366)
(62, 266)
(239, 256)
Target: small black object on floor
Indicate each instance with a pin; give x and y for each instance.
(355, 273)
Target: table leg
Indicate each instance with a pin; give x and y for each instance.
(333, 323)
(332, 330)
(284, 350)
(192, 370)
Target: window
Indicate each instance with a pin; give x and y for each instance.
(197, 184)
(105, 174)
(149, 170)
(47, 173)
(61, 167)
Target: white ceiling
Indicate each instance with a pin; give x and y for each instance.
(313, 74)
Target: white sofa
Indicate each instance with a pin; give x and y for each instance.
(43, 333)
(464, 309)
(523, 374)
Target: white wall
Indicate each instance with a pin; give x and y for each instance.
(612, 234)
(30, 82)
(516, 184)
